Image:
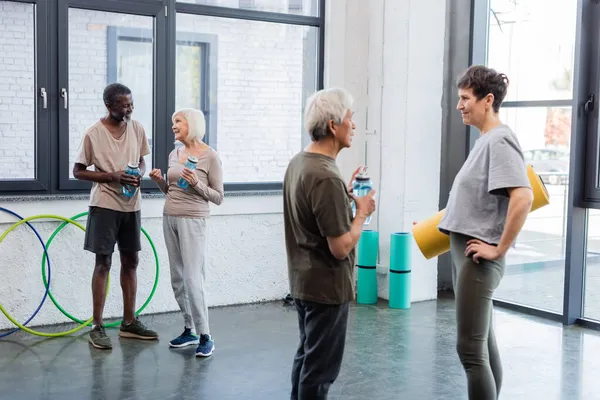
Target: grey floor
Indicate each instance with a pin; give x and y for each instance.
(390, 354)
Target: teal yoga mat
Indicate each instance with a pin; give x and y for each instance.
(368, 246)
(400, 269)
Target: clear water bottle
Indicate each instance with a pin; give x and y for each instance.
(133, 168)
(190, 164)
(361, 186)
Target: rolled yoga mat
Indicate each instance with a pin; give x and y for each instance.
(432, 242)
(400, 269)
(368, 246)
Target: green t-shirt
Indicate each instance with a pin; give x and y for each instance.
(316, 204)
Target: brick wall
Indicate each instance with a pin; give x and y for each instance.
(17, 92)
(259, 86)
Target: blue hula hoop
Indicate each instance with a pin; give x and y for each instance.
(47, 287)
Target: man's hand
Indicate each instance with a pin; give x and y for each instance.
(356, 171)
(478, 250)
(365, 204)
(126, 179)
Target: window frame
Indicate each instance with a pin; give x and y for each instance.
(208, 45)
(52, 147)
(42, 128)
(251, 15)
(152, 9)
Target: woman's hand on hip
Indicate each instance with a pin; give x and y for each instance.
(189, 176)
(478, 249)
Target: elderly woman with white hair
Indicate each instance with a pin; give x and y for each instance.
(320, 236)
(185, 218)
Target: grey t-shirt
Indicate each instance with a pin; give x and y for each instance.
(478, 201)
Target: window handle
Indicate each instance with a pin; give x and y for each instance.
(64, 95)
(44, 96)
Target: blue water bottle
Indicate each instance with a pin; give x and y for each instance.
(190, 164)
(361, 186)
(132, 169)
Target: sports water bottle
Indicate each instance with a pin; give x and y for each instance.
(361, 186)
(132, 169)
(190, 164)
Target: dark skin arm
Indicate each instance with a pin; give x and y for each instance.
(80, 172)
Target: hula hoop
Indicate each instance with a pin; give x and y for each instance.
(62, 310)
(49, 273)
(10, 317)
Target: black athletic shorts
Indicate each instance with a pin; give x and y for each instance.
(105, 228)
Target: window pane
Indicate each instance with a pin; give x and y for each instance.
(592, 268)
(17, 91)
(535, 265)
(252, 87)
(298, 7)
(105, 48)
(533, 43)
(190, 69)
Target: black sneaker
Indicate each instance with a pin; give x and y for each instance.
(137, 330)
(99, 339)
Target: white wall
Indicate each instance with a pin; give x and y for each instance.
(389, 54)
(376, 50)
(247, 260)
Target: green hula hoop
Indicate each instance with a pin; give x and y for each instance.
(89, 323)
(6, 314)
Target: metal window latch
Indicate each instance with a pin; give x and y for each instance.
(590, 104)
(44, 96)
(65, 96)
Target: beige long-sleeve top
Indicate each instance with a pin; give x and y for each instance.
(193, 202)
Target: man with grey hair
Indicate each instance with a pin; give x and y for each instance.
(321, 235)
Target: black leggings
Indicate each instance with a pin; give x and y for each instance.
(474, 286)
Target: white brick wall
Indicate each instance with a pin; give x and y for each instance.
(17, 91)
(259, 99)
(259, 87)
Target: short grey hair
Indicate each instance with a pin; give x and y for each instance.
(195, 120)
(323, 106)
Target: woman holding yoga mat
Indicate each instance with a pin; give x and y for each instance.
(490, 198)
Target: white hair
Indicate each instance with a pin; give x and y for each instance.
(195, 120)
(324, 106)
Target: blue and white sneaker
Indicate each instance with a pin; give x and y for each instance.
(187, 338)
(206, 346)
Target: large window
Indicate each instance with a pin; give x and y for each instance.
(248, 65)
(538, 59)
(259, 95)
(549, 50)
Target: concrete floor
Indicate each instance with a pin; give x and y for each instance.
(390, 354)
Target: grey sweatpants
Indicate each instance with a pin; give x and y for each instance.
(474, 286)
(186, 240)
